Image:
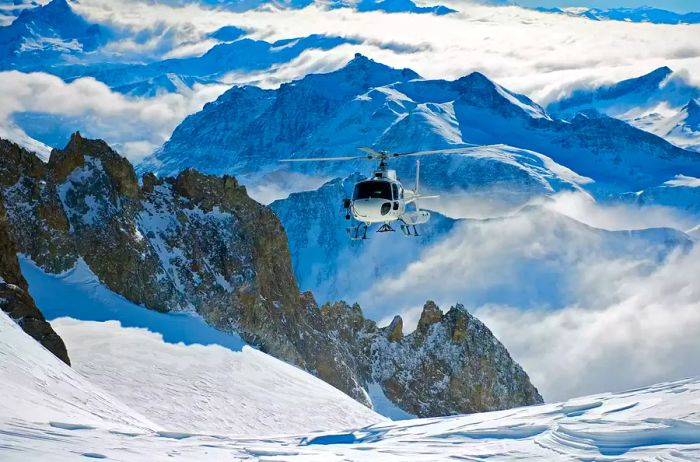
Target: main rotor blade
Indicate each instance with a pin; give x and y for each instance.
(371, 152)
(322, 159)
(444, 151)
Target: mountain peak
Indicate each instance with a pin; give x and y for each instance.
(364, 64)
(51, 12)
(659, 73)
(693, 107)
(356, 77)
(478, 90)
(692, 117)
(57, 5)
(476, 80)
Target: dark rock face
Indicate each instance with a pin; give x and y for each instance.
(451, 364)
(198, 242)
(15, 299)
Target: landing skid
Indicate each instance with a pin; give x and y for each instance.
(407, 230)
(357, 233)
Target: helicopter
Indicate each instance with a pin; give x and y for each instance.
(381, 198)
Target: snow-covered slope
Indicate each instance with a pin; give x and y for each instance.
(179, 386)
(660, 422)
(196, 389)
(681, 128)
(682, 192)
(37, 386)
(661, 102)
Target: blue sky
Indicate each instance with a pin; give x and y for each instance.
(674, 5)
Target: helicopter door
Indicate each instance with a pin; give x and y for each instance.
(395, 191)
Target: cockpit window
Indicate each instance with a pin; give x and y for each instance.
(395, 189)
(372, 190)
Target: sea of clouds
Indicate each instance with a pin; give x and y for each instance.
(542, 55)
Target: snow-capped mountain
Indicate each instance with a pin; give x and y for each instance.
(682, 193)
(629, 98)
(44, 35)
(230, 56)
(9, 10)
(661, 102)
(681, 128)
(642, 14)
(247, 130)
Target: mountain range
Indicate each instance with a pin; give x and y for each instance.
(45, 35)
(247, 130)
(661, 102)
(641, 14)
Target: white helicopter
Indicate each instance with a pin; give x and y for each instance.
(381, 198)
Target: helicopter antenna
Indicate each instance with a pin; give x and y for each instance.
(417, 183)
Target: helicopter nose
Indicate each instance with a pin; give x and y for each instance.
(371, 208)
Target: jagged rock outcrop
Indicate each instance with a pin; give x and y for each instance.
(15, 299)
(198, 242)
(450, 364)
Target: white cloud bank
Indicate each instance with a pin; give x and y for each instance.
(135, 126)
(541, 54)
(583, 310)
(644, 329)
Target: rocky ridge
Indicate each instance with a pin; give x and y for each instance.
(198, 242)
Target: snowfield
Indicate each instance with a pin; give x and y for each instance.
(196, 388)
(49, 411)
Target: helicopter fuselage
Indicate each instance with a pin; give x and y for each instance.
(382, 198)
(377, 200)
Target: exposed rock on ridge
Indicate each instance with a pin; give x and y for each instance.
(15, 299)
(198, 242)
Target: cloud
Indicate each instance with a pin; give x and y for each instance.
(646, 331)
(135, 126)
(582, 309)
(542, 54)
(616, 216)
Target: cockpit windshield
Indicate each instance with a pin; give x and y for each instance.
(372, 190)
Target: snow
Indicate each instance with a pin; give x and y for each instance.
(682, 180)
(79, 294)
(196, 388)
(38, 386)
(50, 412)
(384, 406)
